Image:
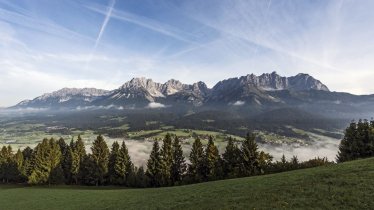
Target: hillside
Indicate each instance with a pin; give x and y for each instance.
(343, 186)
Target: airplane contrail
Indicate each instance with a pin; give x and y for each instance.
(102, 29)
(105, 23)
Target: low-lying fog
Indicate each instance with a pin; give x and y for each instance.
(321, 147)
(139, 150)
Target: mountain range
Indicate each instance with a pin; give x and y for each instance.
(250, 92)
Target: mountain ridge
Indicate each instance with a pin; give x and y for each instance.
(140, 91)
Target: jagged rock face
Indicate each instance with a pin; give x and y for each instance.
(145, 90)
(250, 89)
(306, 82)
(173, 86)
(254, 88)
(273, 81)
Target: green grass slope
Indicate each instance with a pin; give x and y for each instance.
(344, 186)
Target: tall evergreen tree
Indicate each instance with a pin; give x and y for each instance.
(166, 160)
(27, 161)
(19, 166)
(114, 177)
(100, 155)
(89, 171)
(123, 165)
(74, 163)
(249, 164)
(348, 146)
(80, 148)
(65, 159)
(196, 167)
(211, 160)
(231, 159)
(47, 163)
(154, 170)
(5, 156)
(179, 166)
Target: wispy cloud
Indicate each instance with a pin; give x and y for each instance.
(146, 23)
(189, 41)
(102, 30)
(105, 23)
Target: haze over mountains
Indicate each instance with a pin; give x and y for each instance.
(250, 93)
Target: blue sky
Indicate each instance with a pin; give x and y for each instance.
(46, 45)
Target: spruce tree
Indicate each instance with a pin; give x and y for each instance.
(179, 166)
(141, 179)
(154, 166)
(56, 174)
(114, 177)
(294, 161)
(265, 161)
(27, 161)
(100, 155)
(249, 164)
(90, 171)
(5, 155)
(74, 165)
(231, 159)
(79, 151)
(211, 160)
(166, 160)
(65, 159)
(348, 146)
(47, 163)
(80, 148)
(196, 166)
(123, 165)
(19, 166)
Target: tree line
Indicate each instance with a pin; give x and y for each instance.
(358, 141)
(55, 162)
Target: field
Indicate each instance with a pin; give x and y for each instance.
(344, 186)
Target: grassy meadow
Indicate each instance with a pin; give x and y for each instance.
(343, 186)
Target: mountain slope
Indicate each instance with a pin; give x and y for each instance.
(343, 186)
(64, 98)
(264, 92)
(141, 91)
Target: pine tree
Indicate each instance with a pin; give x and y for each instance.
(211, 160)
(141, 179)
(56, 173)
(65, 159)
(348, 146)
(265, 161)
(19, 166)
(28, 164)
(9, 166)
(249, 156)
(231, 159)
(100, 154)
(74, 165)
(196, 167)
(114, 177)
(179, 166)
(90, 171)
(5, 155)
(63, 146)
(77, 157)
(80, 148)
(47, 163)
(154, 170)
(166, 160)
(123, 165)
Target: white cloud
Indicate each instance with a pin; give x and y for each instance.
(154, 105)
(238, 103)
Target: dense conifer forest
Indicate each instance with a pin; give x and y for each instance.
(56, 162)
